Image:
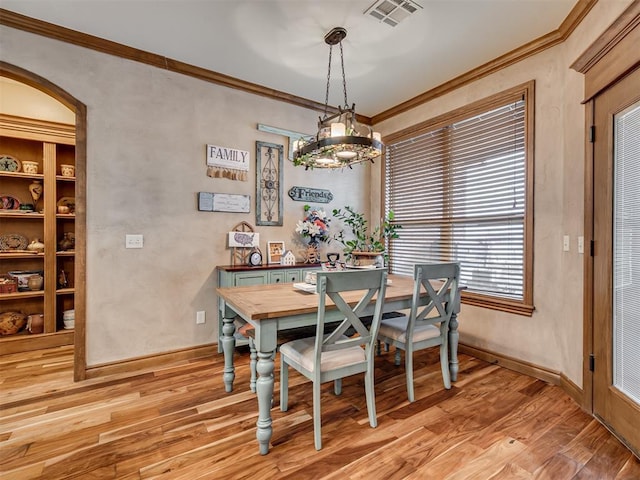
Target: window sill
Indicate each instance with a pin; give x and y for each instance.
(496, 303)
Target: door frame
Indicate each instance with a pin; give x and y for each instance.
(33, 80)
(612, 56)
(609, 58)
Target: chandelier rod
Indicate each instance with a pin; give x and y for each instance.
(344, 78)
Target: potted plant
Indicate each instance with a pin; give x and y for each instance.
(364, 242)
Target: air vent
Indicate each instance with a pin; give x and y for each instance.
(392, 12)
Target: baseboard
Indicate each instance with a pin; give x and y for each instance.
(135, 365)
(520, 366)
(527, 368)
(574, 391)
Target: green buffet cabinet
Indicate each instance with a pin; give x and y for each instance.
(243, 275)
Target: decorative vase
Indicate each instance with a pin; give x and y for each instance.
(35, 189)
(35, 282)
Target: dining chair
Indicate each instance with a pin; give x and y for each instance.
(332, 356)
(425, 326)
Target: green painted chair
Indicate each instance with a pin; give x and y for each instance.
(426, 326)
(333, 356)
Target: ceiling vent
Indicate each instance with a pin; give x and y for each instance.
(392, 12)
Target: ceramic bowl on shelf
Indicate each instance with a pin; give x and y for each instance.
(68, 170)
(29, 166)
(69, 319)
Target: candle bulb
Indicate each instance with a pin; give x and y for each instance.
(338, 129)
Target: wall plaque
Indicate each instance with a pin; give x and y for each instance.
(223, 202)
(225, 162)
(308, 194)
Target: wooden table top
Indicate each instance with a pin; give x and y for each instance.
(278, 300)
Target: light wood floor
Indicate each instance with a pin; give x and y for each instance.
(177, 423)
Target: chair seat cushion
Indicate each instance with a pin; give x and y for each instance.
(396, 329)
(301, 352)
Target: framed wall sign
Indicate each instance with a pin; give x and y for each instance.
(269, 173)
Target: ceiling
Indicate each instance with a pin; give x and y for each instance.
(279, 44)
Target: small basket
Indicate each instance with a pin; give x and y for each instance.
(8, 284)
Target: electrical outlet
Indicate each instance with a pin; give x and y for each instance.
(565, 243)
(133, 241)
(200, 317)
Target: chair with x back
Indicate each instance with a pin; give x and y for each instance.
(332, 356)
(425, 326)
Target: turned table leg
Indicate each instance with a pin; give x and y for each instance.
(228, 341)
(264, 391)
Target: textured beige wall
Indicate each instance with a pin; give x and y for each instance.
(552, 337)
(147, 131)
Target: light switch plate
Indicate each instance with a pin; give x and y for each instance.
(565, 243)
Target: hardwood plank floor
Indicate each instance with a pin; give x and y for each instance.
(177, 423)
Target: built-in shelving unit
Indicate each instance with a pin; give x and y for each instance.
(50, 145)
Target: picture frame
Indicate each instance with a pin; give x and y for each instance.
(275, 250)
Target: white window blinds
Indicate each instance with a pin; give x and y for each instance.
(459, 191)
(626, 253)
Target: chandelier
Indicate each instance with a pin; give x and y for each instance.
(341, 141)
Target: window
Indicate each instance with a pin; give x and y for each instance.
(461, 186)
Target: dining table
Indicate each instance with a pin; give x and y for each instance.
(275, 307)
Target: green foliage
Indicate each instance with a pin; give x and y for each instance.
(362, 239)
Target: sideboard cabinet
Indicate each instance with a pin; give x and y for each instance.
(238, 276)
(33, 154)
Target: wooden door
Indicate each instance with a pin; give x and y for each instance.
(616, 267)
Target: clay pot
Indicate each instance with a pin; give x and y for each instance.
(35, 323)
(36, 246)
(35, 282)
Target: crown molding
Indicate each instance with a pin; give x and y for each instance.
(577, 14)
